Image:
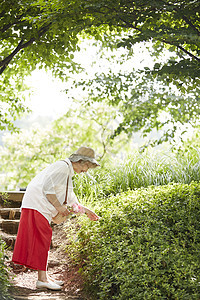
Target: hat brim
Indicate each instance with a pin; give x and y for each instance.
(77, 157)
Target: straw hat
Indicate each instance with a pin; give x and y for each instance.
(84, 153)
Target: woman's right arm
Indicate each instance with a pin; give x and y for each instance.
(59, 207)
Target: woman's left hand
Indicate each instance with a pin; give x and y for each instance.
(91, 215)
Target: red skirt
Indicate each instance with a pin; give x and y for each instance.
(33, 240)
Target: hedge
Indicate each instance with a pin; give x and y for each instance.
(145, 246)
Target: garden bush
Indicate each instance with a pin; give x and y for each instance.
(145, 246)
(4, 281)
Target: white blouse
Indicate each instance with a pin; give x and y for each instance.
(52, 180)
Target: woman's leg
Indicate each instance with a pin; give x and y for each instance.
(42, 276)
(45, 282)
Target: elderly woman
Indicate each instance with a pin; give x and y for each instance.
(48, 196)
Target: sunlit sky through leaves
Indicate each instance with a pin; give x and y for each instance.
(48, 97)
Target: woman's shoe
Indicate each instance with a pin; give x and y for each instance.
(48, 285)
(59, 282)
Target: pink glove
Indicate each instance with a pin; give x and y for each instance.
(78, 208)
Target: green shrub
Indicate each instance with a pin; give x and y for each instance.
(4, 281)
(146, 245)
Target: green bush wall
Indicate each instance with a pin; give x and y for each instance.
(145, 246)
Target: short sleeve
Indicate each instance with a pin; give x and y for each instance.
(55, 178)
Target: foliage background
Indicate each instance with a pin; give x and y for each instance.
(47, 34)
(163, 96)
(4, 277)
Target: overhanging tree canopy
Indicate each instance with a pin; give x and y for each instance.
(146, 103)
(46, 33)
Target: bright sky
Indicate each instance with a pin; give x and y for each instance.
(47, 98)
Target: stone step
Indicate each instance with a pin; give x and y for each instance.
(9, 239)
(10, 213)
(11, 198)
(9, 226)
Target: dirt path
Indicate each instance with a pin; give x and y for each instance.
(59, 267)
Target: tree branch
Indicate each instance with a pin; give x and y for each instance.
(181, 48)
(2, 13)
(191, 24)
(4, 63)
(6, 27)
(188, 53)
(130, 25)
(184, 17)
(17, 21)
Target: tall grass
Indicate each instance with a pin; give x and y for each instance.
(140, 170)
